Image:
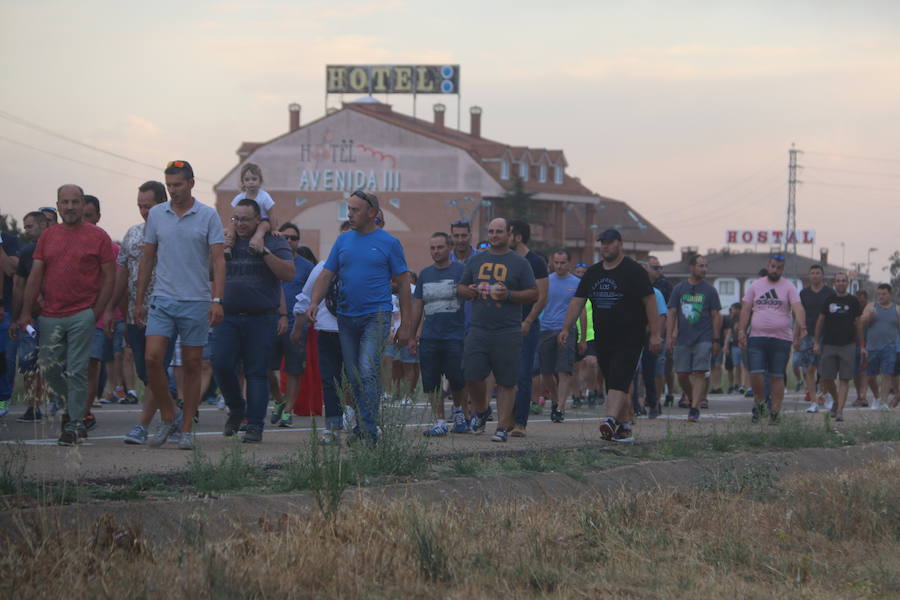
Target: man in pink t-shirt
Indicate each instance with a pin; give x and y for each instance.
(770, 301)
(73, 269)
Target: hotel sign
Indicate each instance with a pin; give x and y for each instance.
(392, 79)
(769, 236)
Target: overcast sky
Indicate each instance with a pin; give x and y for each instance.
(686, 110)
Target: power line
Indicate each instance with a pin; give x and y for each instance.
(849, 185)
(24, 123)
(853, 156)
(741, 200)
(853, 171)
(74, 160)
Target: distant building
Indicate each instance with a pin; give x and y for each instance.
(732, 272)
(426, 176)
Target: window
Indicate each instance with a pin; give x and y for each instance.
(542, 174)
(504, 169)
(342, 211)
(726, 288)
(558, 175)
(523, 171)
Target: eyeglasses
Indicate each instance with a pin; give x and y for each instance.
(292, 238)
(243, 220)
(581, 265)
(364, 196)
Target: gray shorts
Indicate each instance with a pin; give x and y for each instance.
(837, 362)
(690, 359)
(553, 357)
(492, 351)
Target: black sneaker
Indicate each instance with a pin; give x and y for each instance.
(489, 414)
(232, 425)
(90, 421)
(754, 417)
(31, 416)
(478, 422)
(608, 428)
(774, 418)
(69, 437)
(556, 416)
(599, 398)
(253, 435)
(654, 411)
(683, 402)
(693, 415)
(623, 435)
(670, 399)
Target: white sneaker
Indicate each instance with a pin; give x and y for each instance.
(829, 402)
(813, 408)
(328, 437)
(876, 404)
(220, 402)
(349, 418)
(186, 441)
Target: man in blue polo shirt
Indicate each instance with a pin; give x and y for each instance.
(365, 260)
(182, 236)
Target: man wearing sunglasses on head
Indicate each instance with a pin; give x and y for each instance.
(366, 260)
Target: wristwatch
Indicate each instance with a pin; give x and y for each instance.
(219, 300)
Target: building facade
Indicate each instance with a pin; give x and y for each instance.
(427, 176)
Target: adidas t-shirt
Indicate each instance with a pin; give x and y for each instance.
(771, 308)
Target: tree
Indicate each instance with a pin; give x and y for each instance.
(8, 224)
(519, 201)
(894, 268)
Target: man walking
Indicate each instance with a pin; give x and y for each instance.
(838, 331)
(73, 269)
(461, 232)
(813, 299)
(695, 307)
(770, 301)
(557, 361)
(520, 234)
(500, 282)
(182, 238)
(881, 321)
(439, 341)
(365, 260)
(246, 335)
(624, 309)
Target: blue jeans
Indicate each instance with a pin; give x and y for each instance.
(247, 340)
(362, 345)
(331, 368)
(10, 348)
(526, 364)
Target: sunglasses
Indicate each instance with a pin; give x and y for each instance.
(292, 238)
(364, 196)
(778, 257)
(581, 265)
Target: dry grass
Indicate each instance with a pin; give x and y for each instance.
(743, 535)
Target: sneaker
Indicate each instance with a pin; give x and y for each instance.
(623, 435)
(670, 399)
(536, 408)
(277, 411)
(757, 411)
(813, 408)
(839, 416)
(489, 414)
(748, 393)
(608, 429)
(741, 390)
(163, 432)
(90, 421)
(557, 416)
(460, 423)
(232, 425)
(329, 437)
(478, 422)
(52, 406)
(577, 401)
(131, 398)
(704, 404)
(69, 437)
(349, 418)
(500, 435)
(600, 399)
(683, 403)
(220, 402)
(716, 391)
(860, 403)
(517, 431)
(876, 404)
(253, 435)
(4, 408)
(436, 431)
(774, 418)
(109, 399)
(693, 415)
(186, 440)
(287, 421)
(137, 436)
(654, 412)
(829, 402)
(31, 416)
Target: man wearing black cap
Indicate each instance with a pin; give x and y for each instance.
(624, 306)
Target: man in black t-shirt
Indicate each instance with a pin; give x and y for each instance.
(813, 298)
(838, 330)
(624, 306)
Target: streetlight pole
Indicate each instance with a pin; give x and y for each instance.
(869, 259)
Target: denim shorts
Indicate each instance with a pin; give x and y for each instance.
(294, 356)
(27, 353)
(441, 357)
(400, 353)
(882, 361)
(105, 349)
(692, 359)
(736, 356)
(804, 357)
(768, 355)
(188, 318)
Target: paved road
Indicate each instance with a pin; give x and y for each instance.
(104, 455)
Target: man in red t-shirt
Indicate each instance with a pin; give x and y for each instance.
(74, 270)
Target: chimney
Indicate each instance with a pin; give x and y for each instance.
(294, 116)
(475, 121)
(823, 256)
(687, 252)
(439, 110)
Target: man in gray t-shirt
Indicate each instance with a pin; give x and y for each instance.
(694, 306)
(499, 282)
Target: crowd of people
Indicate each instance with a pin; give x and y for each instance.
(185, 303)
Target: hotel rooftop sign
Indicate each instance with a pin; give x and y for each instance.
(392, 79)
